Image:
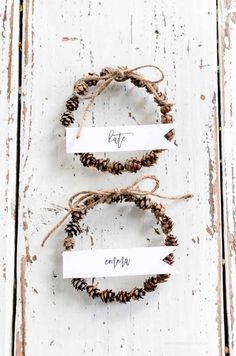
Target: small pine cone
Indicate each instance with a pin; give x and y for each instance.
(67, 118)
(101, 164)
(92, 82)
(106, 71)
(137, 293)
(137, 82)
(149, 159)
(72, 103)
(123, 297)
(116, 198)
(143, 202)
(79, 283)
(166, 224)
(107, 296)
(69, 243)
(169, 259)
(162, 278)
(171, 241)
(89, 201)
(72, 228)
(92, 291)
(115, 168)
(170, 135)
(150, 284)
(78, 215)
(166, 119)
(158, 209)
(128, 197)
(81, 88)
(133, 165)
(165, 109)
(87, 159)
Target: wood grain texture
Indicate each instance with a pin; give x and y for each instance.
(8, 103)
(62, 41)
(227, 39)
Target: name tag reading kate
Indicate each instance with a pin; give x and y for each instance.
(118, 138)
(117, 262)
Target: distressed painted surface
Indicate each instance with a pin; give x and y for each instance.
(8, 123)
(74, 38)
(62, 40)
(227, 30)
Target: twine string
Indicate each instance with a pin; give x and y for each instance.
(76, 201)
(119, 74)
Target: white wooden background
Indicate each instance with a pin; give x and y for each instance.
(193, 313)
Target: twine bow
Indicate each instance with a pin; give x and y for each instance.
(119, 74)
(76, 201)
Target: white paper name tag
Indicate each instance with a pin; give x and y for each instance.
(118, 138)
(117, 262)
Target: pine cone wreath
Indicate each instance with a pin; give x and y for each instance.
(67, 118)
(119, 74)
(142, 202)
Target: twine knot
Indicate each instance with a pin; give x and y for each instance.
(120, 73)
(86, 198)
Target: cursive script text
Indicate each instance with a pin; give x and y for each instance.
(118, 261)
(118, 138)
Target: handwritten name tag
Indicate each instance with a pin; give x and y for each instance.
(118, 138)
(117, 262)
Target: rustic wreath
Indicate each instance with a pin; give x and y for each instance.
(80, 203)
(106, 76)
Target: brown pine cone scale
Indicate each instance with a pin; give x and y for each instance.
(67, 118)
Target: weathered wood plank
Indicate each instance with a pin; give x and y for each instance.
(227, 40)
(185, 315)
(9, 11)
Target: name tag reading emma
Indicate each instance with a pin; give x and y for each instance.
(118, 138)
(117, 262)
